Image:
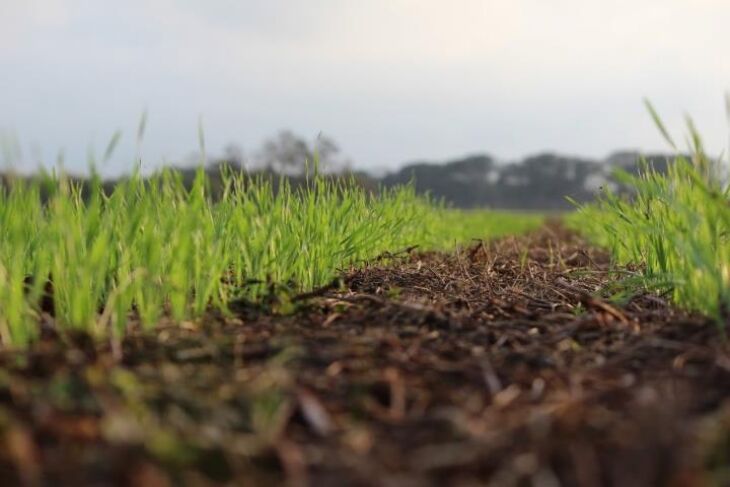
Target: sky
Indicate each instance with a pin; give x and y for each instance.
(391, 81)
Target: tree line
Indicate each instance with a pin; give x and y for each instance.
(538, 182)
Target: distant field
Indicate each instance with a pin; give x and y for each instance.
(155, 248)
(451, 227)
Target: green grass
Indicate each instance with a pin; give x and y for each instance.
(451, 227)
(153, 248)
(676, 226)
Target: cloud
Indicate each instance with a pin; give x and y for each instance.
(21, 20)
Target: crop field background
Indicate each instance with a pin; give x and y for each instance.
(153, 247)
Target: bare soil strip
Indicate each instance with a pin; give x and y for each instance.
(503, 364)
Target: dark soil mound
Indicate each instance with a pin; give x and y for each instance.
(502, 364)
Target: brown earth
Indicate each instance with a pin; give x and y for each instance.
(522, 362)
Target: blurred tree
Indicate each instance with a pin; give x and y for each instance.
(288, 153)
(233, 155)
(327, 150)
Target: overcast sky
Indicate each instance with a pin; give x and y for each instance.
(390, 80)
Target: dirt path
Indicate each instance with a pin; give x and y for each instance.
(493, 366)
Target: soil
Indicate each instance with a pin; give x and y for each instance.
(527, 361)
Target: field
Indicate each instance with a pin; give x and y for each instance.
(325, 335)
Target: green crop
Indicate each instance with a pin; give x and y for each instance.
(450, 227)
(675, 225)
(153, 248)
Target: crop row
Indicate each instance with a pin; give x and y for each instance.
(95, 261)
(675, 226)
